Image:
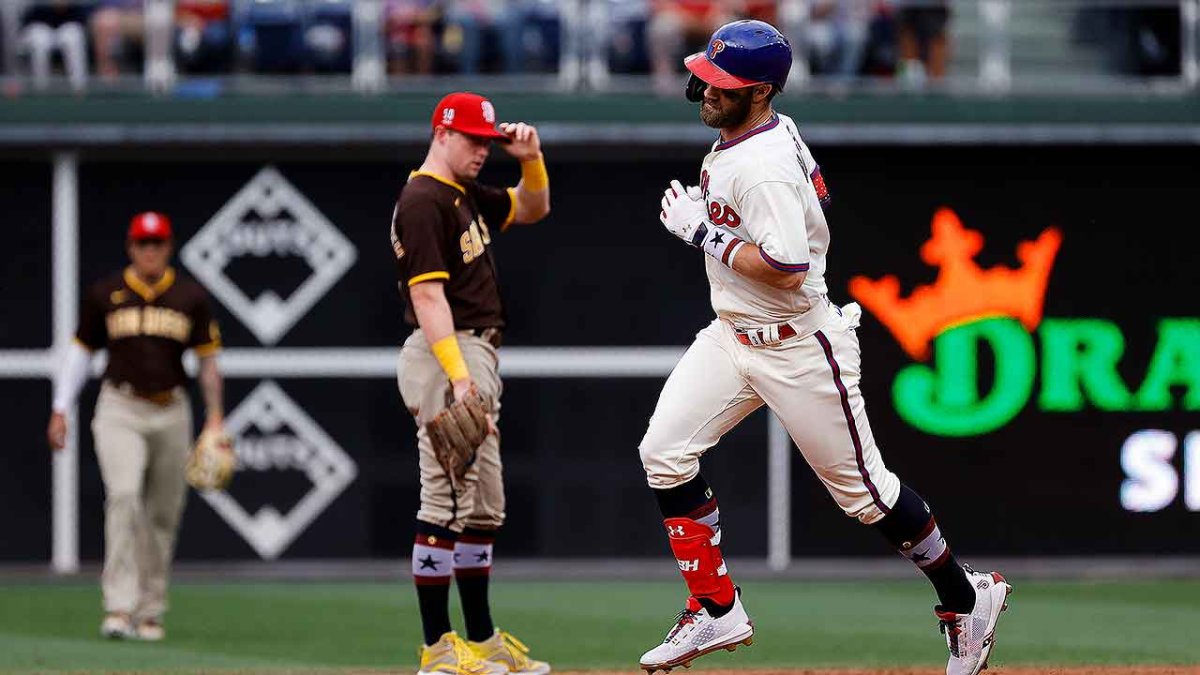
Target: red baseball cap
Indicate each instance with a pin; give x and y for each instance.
(149, 225)
(469, 114)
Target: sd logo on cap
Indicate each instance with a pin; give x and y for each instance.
(468, 113)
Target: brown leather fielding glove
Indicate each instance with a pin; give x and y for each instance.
(458, 431)
(212, 462)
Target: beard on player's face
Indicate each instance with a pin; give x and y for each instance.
(726, 108)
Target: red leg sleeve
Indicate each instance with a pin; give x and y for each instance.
(699, 560)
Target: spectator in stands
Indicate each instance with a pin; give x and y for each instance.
(10, 15)
(838, 35)
(1143, 41)
(680, 26)
(924, 46)
(411, 36)
(328, 36)
(117, 28)
(57, 25)
(271, 35)
(516, 23)
(616, 32)
(204, 35)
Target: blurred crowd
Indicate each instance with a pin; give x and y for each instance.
(838, 38)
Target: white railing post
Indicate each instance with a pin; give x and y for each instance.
(995, 66)
(572, 45)
(779, 495)
(65, 468)
(159, 17)
(1189, 53)
(594, 32)
(370, 57)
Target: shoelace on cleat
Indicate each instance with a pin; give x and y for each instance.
(516, 649)
(466, 657)
(683, 618)
(951, 629)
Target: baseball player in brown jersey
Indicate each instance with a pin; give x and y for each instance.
(146, 317)
(442, 232)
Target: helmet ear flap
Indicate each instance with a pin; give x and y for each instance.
(695, 89)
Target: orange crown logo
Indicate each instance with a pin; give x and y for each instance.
(963, 292)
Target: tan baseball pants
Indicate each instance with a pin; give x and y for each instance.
(478, 502)
(142, 447)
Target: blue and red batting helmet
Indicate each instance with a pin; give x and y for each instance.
(740, 54)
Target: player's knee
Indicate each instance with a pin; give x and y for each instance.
(647, 453)
(489, 522)
(436, 510)
(660, 471)
(122, 502)
(667, 470)
(163, 517)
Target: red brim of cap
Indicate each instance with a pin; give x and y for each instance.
(489, 133)
(141, 235)
(702, 67)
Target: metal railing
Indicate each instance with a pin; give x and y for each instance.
(995, 47)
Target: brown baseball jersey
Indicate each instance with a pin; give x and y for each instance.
(442, 229)
(147, 328)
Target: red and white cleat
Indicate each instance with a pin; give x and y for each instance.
(697, 632)
(971, 636)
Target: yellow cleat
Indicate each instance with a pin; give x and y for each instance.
(451, 655)
(507, 650)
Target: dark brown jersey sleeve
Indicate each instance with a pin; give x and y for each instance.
(419, 232)
(92, 332)
(206, 336)
(497, 206)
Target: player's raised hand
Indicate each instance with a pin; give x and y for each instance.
(682, 214)
(525, 143)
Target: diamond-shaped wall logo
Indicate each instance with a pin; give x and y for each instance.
(285, 438)
(268, 218)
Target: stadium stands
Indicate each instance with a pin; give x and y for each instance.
(877, 44)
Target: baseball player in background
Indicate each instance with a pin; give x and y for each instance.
(442, 230)
(777, 340)
(146, 317)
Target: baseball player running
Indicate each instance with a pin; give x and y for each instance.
(777, 340)
(146, 317)
(448, 374)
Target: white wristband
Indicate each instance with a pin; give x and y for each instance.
(722, 245)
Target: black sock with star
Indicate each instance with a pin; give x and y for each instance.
(472, 571)
(432, 566)
(911, 528)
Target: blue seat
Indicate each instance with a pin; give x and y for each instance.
(272, 34)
